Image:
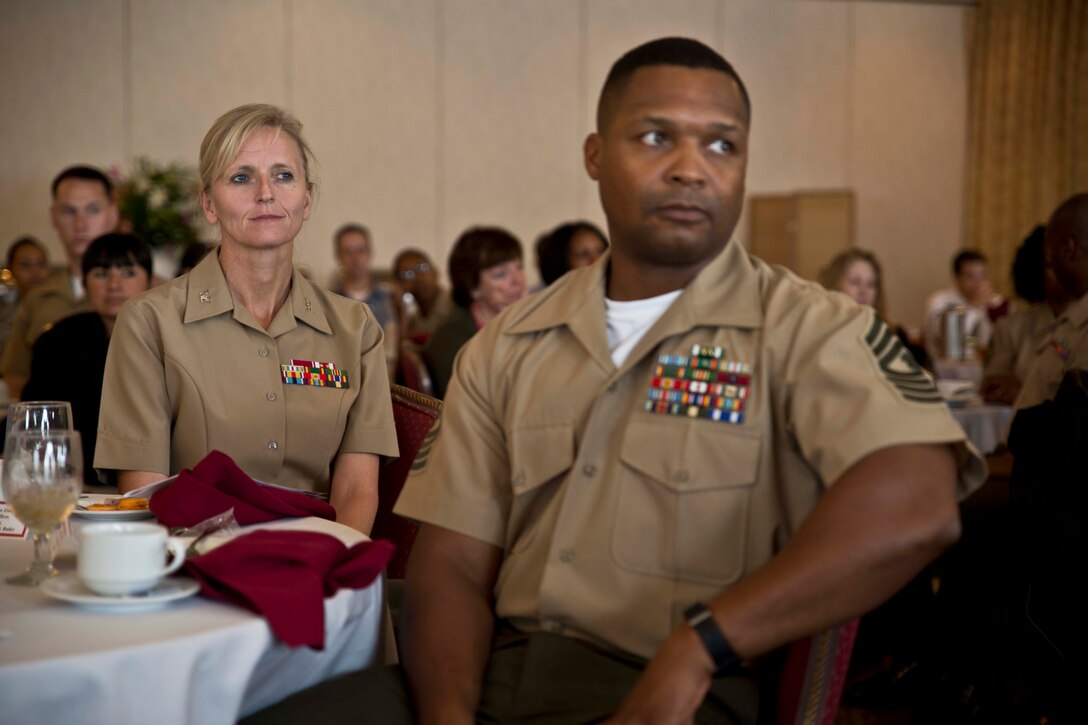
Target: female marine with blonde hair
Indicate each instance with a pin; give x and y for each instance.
(243, 354)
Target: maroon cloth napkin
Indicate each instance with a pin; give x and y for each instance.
(217, 484)
(285, 576)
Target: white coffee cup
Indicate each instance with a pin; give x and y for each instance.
(126, 558)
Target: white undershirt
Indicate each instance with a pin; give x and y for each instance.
(77, 287)
(627, 322)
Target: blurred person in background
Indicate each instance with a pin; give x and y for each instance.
(355, 252)
(69, 359)
(487, 274)
(192, 256)
(1018, 336)
(857, 273)
(972, 290)
(427, 304)
(83, 209)
(27, 267)
(569, 246)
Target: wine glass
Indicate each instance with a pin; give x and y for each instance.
(38, 415)
(42, 479)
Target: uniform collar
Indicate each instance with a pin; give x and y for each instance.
(725, 293)
(1077, 313)
(209, 295)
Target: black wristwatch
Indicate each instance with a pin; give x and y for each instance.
(701, 619)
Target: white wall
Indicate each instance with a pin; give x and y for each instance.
(430, 115)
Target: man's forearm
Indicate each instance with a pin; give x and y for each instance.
(877, 527)
(447, 628)
(885, 519)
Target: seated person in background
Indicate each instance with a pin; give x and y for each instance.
(355, 252)
(857, 273)
(1066, 348)
(243, 354)
(1018, 335)
(192, 256)
(28, 267)
(69, 359)
(430, 303)
(83, 209)
(569, 246)
(486, 271)
(600, 537)
(972, 290)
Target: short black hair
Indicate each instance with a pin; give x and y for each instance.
(351, 227)
(966, 257)
(474, 251)
(117, 249)
(26, 241)
(1028, 267)
(86, 173)
(684, 52)
(194, 252)
(553, 248)
(406, 252)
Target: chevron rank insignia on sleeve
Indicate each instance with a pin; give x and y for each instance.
(899, 367)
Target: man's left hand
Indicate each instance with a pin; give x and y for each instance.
(673, 685)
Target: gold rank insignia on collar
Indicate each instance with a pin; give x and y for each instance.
(205, 297)
(309, 305)
(700, 385)
(313, 373)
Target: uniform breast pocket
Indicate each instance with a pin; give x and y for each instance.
(540, 457)
(685, 491)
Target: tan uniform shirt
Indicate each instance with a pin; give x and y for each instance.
(614, 509)
(189, 372)
(1017, 338)
(1066, 348)
(43, 306)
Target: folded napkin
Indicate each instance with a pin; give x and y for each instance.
(286, 575)
(217, 484)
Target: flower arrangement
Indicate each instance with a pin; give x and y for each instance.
(158, 203)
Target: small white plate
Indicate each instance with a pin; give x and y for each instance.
(69, 588)
(89, 498)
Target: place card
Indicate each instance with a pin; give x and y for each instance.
(10, 527)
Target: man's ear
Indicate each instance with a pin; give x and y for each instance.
(591, 151)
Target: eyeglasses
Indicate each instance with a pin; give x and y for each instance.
(411, 273)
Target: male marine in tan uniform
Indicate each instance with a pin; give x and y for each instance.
(677, 455)
(1066, 250)
(83, 209)
(766, 453)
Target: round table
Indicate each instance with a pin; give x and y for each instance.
(194, 661)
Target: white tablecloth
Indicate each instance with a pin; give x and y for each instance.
(195, 661)
(985, 424)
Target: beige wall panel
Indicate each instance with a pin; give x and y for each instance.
(796, 61)
(365, 86)
(62, 99)
(511, 135)
(614, 27)
(194, 60)
(910, 128)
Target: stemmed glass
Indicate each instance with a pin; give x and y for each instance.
(42, 479)
(42, 416)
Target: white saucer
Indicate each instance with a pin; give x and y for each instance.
(69, 588)
(89, 498)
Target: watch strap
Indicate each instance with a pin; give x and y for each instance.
(701, 619)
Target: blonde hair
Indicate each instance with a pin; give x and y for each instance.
(229, 133)
(832, 275)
